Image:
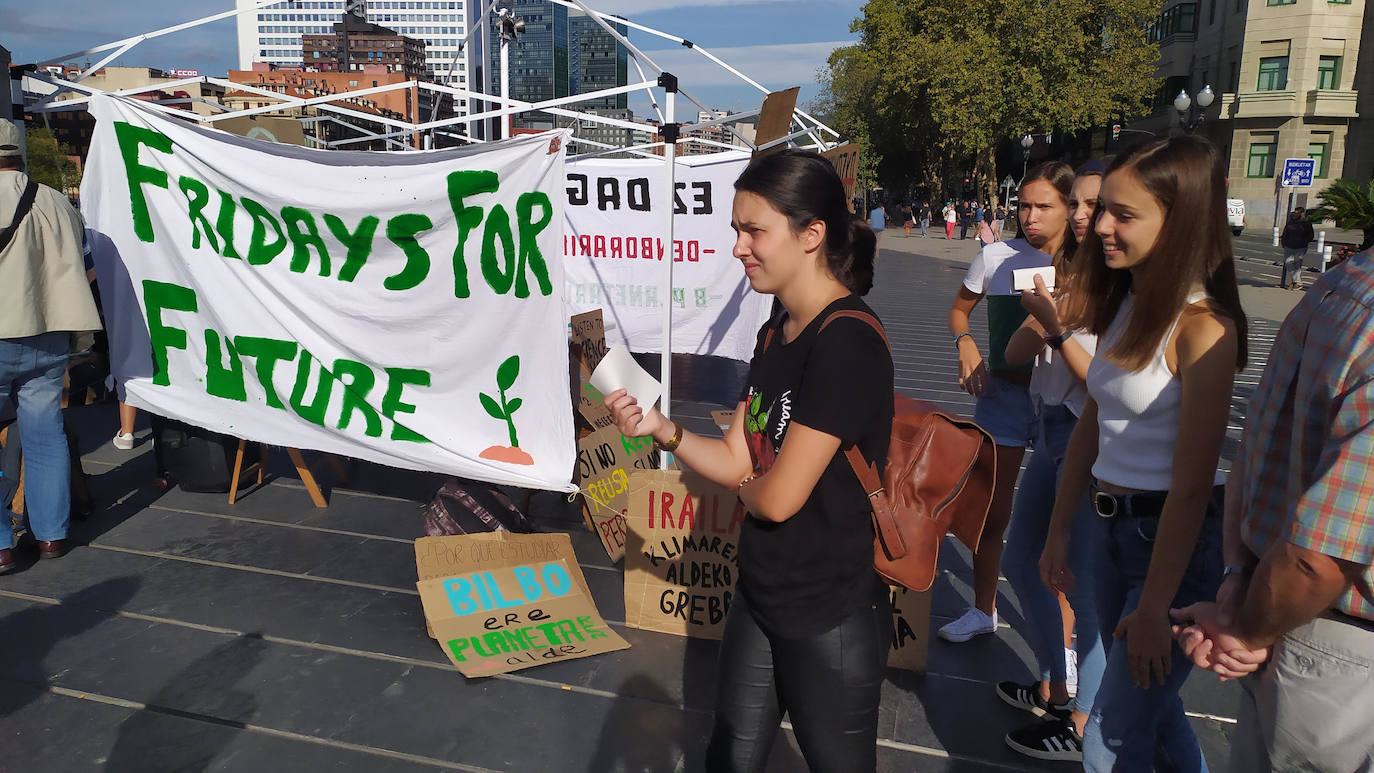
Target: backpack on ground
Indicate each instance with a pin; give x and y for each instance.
(939, 479)
(463, 506)
(197, 459)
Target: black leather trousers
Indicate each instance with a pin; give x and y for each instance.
(829, 685)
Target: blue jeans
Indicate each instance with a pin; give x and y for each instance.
(1005, 410)
(925, 223)
(31, 369)
(1030, 522)
(1133, 729)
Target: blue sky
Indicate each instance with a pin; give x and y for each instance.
(779, 43)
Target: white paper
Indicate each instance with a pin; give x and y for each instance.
(618, 370)
(1024, 278)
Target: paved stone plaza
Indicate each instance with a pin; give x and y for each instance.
(186, 634)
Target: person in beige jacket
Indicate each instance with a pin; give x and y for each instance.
(44, 298)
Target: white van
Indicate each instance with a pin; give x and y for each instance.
(1235, 215)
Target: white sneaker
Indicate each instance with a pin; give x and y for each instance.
(124, 441)
(1071, 669)
(971, 624)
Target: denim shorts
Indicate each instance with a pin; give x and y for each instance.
(1006, 412)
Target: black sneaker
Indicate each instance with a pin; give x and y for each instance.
(1027, 698)
(1053, 740)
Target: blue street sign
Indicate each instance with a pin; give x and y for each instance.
(1297, 172)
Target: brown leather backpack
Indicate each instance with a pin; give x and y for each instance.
(939, 479)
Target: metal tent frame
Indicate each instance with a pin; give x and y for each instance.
(803, 126)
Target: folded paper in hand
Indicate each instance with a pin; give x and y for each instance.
(618, 370)
(1024, 278)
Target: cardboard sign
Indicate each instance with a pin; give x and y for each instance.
(591, 403)
(502, 602)
(846, 161)
(588, 334)
(605, 460)
(910, 629)
(723, 420)
(682, 556)
(775, 120)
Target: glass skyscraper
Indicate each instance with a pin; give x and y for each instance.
(273, 33)
(561, 52)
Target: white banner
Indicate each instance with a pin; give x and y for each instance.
(397, 307)
(614, 251)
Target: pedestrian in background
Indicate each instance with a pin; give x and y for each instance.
(965, 220)
(907, 219)
(44, 298)
(951, 217)
(999, 219)
(925, 217)
(877, 219)
(1297, 235)
(1157, 285)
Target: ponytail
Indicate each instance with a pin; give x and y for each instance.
(856, 268)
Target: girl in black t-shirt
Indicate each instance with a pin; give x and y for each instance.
(808, 632)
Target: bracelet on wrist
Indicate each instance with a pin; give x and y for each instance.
(1057, 342)
(1241, 571)
(740, 487)
(672, 444)
(961, 336)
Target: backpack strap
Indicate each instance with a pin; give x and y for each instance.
(25, 204)
(883, 518)
(862, 316)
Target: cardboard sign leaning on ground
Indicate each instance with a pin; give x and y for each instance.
(501, 602)
(682, 558)
(342, 301)
(910, 628)
(605, 461)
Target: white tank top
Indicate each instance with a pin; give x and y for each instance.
(1137, 411)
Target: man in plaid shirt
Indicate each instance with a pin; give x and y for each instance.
(1295, 613)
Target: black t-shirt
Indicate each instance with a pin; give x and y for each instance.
(807, 574)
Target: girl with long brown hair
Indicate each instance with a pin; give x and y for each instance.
(1062, 356)
(1155, 281)
(1004, 408)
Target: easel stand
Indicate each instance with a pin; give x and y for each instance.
(302, 469)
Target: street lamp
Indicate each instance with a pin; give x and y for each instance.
(1189, 118)
(1026, 143)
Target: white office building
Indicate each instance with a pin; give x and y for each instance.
(273, 33)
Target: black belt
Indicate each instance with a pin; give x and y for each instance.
(1142, 504)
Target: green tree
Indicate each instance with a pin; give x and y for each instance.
(1350, 205)
(939, 84)
(48, 162)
